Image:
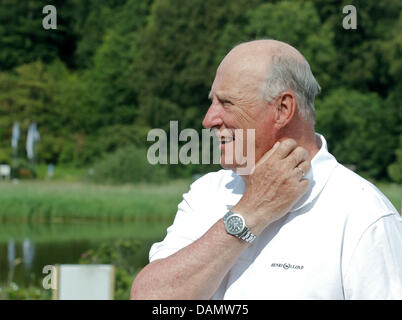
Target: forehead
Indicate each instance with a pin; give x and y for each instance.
(239, 78)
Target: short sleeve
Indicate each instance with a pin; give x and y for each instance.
(375, 268)
(190, 223)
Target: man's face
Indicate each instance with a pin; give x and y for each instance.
(237, 103)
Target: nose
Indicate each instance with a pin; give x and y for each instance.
(213, 116)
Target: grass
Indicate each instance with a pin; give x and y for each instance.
(82, 231)
(55, 201)
(62, 173)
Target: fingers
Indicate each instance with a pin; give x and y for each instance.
(269, 153)
(287, 151)
(298, 155)
(304, 185)
(305, 166)
(302, 169)
(285, 148)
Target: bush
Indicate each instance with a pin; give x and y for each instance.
(5, 156)
(359, 130)
(395, 169)
(14, 292)
(128, 164)
(22, 169)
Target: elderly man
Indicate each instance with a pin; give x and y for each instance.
(299, 226)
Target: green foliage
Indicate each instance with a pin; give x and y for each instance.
(361, 61)
(393, 50)
(115, 69)
(34, 93)
(127, 165)
(395, 169)
(14, 292)
(351, 121)
(61, 172)
(23, 39)
(297, 23)
(5, 156)
(95, 21)
(175, 63)
(22, 169)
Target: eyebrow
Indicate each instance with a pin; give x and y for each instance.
(220, 96)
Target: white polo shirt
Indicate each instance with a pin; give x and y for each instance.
(342, 240)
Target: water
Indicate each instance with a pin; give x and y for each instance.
(44, 253)
(33, 247)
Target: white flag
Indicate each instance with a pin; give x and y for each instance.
(32, 138)
(15, 135)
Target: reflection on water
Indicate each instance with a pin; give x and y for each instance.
(28, 253)
(11, 253)
(11, 259)
(30, 271)
(23, 255)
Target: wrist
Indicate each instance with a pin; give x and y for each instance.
(236, 225)
(256, 222)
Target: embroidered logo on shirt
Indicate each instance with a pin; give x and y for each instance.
(286, 266)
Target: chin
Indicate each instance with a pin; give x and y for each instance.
(242, 170)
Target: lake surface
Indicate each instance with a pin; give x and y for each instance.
(32, 247)
(28, 267)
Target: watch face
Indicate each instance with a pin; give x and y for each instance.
(235, 224)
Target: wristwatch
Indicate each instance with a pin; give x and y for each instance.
(236, 226)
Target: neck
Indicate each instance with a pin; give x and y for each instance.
(311, 143)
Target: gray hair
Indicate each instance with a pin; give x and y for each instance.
(287, 72)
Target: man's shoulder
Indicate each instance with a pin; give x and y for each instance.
(359, 194)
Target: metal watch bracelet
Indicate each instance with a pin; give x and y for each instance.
(246, 235)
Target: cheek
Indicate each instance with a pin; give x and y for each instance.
(243, 116)
(265, 137)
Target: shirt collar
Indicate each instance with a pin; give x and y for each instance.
(322, 165)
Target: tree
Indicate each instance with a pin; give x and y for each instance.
(395, 169)
(50, 96)
(176, 58)
(24, 40)
(358, 129)
(360, 61)
(297, 23)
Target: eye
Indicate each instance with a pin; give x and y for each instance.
(226, 102)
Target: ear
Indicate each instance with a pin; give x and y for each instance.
(285, 108)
